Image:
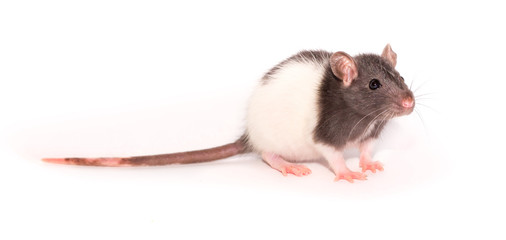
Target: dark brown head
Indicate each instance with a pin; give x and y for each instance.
(371, 85)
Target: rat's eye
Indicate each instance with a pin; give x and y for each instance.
(402, 78)
(374, 84)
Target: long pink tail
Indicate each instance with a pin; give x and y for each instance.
(205, 155)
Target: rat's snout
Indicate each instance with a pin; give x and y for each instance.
(405, 104)
(408, 102)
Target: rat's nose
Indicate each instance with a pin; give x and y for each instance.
(408, 102)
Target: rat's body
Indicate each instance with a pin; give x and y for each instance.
(309, 107)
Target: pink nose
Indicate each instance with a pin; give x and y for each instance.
(408, 102)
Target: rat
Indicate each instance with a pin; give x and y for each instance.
(309, 107)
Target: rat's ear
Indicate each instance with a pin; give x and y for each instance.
(390, 55)
(344, 67)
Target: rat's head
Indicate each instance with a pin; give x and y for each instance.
(371, 85)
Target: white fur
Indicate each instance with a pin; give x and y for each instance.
(283, 113)
(333, 156)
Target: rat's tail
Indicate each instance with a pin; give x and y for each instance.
(206, 155)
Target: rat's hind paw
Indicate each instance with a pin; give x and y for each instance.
(297, 170)
(278, 163)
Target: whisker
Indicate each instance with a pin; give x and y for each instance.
(427, 106)
(386, 118)
(423, 122)
(421, 98)
(352, 129)
(421, 86)
(373, 120)
(424, 94)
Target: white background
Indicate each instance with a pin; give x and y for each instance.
(122, 78)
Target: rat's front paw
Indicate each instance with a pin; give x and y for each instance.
(349, 176)
(372, 166)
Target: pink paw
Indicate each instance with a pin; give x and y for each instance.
(349, 176)
(373, 166)
(297, 170)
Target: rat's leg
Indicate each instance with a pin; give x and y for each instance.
(366, 162)
(280, 164)
(337, 163)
